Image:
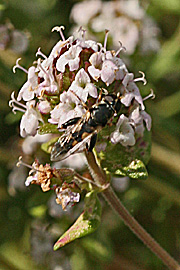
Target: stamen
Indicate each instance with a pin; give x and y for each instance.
(20, 162)
(18, 66)
(120, 49)
(41, 67)
(33, 169)
(151, 95)
(12, 103)
(40, 53)
(82, 32)
(59, 29)
(105, 39)
(141, 79)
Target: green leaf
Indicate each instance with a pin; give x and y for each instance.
(46, 147)
(127, 161)
(48, 128)
(87, 222)
(136, 170)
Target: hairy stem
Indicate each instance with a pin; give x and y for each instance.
(100, 178)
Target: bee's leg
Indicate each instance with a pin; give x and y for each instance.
(102, 91)
(83, 104)
(71, 122)
(100, 96)
(92, 142)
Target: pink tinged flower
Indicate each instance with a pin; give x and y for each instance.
(82, 86)
(29, 89)
(67, 109)
(122, 70)
(138, 117)
(108, 72)
(107, 67)
(44, 107)
(131, 91)
(124, 133)
(49, 85)
(137, 121)
(71, 57)
(58, 47)
(147, 118)
(30, 120)
(96, 61)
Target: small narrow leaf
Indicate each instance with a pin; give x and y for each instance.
(87, 222)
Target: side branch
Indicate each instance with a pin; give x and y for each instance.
(100, 178)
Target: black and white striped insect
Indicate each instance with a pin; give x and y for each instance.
(81, 132)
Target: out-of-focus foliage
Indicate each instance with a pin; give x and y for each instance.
(30, 221)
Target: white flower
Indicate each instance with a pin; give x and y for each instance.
(30, 120)
(29, 89)
(122, 70)
(96, 61)
(131, 91)
(102, 66)
(137, 117)
(44, 107)
(70, 57)
(108, 72)
(67, 109)
(49, 85)
(147, 118)
(124, 133)
(57, 48)
(82, 86)
(82, 12)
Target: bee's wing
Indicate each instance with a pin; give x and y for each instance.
(56, 155)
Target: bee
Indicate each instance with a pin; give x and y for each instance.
(81, 132)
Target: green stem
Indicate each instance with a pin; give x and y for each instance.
(100, 178)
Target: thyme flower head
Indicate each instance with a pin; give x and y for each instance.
(64, 85)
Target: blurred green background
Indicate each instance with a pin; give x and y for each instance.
(27, 229)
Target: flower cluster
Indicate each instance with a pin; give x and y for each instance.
(65, 86)
(73, 74)
(126, 19)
